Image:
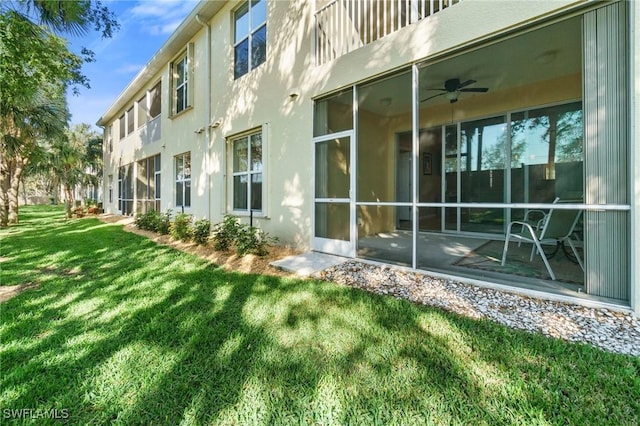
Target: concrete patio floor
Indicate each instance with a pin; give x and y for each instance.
(307, 264)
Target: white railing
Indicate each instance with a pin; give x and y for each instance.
(345, 25)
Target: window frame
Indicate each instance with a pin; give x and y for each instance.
(249, 173)
(182, 180)
(186, 58)
(130, 114)
(142, 112)
(148, 173)
(252, 29)
(155, 89)
(110, 131)
(122, 126)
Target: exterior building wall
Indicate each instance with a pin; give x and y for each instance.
(260, 99)
(278, 98)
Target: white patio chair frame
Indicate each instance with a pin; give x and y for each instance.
(557, 226)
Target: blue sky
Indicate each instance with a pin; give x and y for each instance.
(144, 26)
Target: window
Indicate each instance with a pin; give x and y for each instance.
(125, 189)
(110, 188)
(247, 172)
(250, 40)
(130, 121)
(181, 84)
(123, 127)
(156, 181)
(142, 111)
(155, 100)
(183, 180)
(110, 131)
(148, 184)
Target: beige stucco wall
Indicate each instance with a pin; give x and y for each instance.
(260, 100)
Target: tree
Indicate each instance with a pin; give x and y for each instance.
(23, 128)
(77, 161)
(36, 68)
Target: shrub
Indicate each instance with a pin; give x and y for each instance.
(147, 220)
(201, 231)
(163, 222)
(225, 233)
(251, 240)
(181, 228)
(246, 239)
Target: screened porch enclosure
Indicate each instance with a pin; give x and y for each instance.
(446, 155)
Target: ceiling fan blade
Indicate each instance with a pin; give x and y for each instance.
(466, 83)
(476, 89)
(440, 89)
(434, 96)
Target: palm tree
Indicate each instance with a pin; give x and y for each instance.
(23, 127)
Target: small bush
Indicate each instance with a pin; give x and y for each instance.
(147, 221)
(163, 222)
(201, 231)
(246, 239)
(225, 233)
(251, 240)
(181, 228)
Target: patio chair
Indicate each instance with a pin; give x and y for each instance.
(556, 227)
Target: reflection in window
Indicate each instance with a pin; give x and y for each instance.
(130, 126)
(250, 36)
(547, 154)
(247, 172)
(181, 84)
(333, 114)
(183, 180)
(155, 100)
(142, 111)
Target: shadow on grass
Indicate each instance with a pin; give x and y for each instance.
(123, 330)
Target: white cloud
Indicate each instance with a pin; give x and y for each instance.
(160, 8)
(129, 68)
(167, 28)
(161, 17)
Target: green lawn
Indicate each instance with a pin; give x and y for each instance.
(121, 330)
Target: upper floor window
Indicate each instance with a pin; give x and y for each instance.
(155, 100)
(181, 84)
(123, 127)
(109, 132)
(142, 111)
(250, 41)
(130, 121)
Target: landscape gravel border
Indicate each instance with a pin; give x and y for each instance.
(613, 331)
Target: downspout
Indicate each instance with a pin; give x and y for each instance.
(207, 137)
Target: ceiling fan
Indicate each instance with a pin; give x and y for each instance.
(453, 88)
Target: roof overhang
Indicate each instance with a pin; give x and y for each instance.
(177, 41)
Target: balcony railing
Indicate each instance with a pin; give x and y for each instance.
(345, 25)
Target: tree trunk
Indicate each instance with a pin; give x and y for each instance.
(14, 188)
(4, 200)
(6, 165)
(68, 194)
(25, 199)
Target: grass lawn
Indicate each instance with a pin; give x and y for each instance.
(120, 330)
